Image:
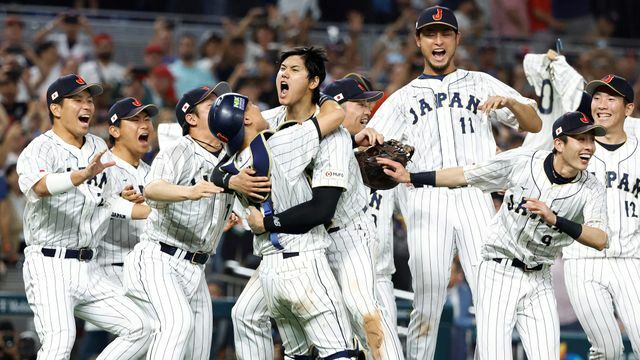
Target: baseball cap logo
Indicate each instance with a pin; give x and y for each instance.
(205, 88)
(558, 130)
(607, 78)
(438, 15)
(136, 102)
(361, 87)
(583, 118)
(80, 80)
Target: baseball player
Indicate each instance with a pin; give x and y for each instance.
(446, 115)
(165, 270)
(599, 282)
(129, 134)
(295, 279)
(559, 87)
(69, 201)
(550, 201)
(357, 99)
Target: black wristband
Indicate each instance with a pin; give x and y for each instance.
(269, 226)
(569, 227)
(423, 178)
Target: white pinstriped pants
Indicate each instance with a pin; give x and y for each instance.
(58, 288)
(304, 299)
(598, 286)
(508, 298)
(174, 292)
(440, 222)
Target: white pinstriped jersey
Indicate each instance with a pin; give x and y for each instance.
(515, 232)
(292, 149)
(193, 225)
(380, 209)
(559, 87)
(336, 165)
(77, 218)
(440, 118)
(632, 126)
(123, 234)
(619, 171)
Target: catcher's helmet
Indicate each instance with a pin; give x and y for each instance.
(226, 120)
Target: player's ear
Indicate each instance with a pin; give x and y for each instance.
(314, 83)
(114, 131)
(628, 109)
(56, 109)
(190, 118)
(458, 36)
(558, 145)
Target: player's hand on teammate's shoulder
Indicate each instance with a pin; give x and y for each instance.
(130, 194)
(541, 209)
(368, 137)
(255, 220)
(96, 166)
(495, 103)
(253, 186)
(203, 189)
(395, 170)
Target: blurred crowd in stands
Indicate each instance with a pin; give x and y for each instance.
(244, 49)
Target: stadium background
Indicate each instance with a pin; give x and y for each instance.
(238, 41)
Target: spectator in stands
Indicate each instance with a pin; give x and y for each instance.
(74, 41)
(262, 41)
(510, 18)
(153, 55)
(471, 21)
(47, 68)
(210, 52)
(163, 37)
(13, 32)
(8, 341)
(12, 208)
(15, 109)
(543, 24)
(185, 71)
(576, 16)
(161, 85)
(103, 70)
(233, 55)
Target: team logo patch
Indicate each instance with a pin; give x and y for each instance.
(136, 102)
(339, 97)
(361, 87)
(238, 102)
(584, 119)
(558, 130)
(54, 95)
(185, 107)
(276, 221)
(80, 80)
(437, 15)
(607, 78)
(114, 118)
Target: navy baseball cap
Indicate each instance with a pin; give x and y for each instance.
(127, 108)
(360, 79)
(576, 123)
(585, 104)
(437, 15)
(226, 120)
(70, 85)
(350, 90)
(614, 82)
(193, 97)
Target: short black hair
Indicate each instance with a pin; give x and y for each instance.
(562, 138)
(314, 60)
(44, 46)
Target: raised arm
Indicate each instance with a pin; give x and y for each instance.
(526, 115)
(451, 177)
(330, 116)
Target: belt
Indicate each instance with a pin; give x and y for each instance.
(519, 264)
(287, 255)
(195, 257)
(84, 254)
(117, 264)
(333, 229)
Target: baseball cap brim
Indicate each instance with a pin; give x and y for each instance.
(597, 130)
(368, 96)
(437, 23)
(221, 88)
(93, 89)
(595, 84)
(151, 110)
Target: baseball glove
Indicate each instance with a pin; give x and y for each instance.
(372, 173)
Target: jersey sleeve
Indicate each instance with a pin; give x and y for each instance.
(568, 83)
(34, 163)
(595, 208)
(331, 166)
(496, 87)
(495, 174)
(170, 164)
(392, 117)
(295, 147)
